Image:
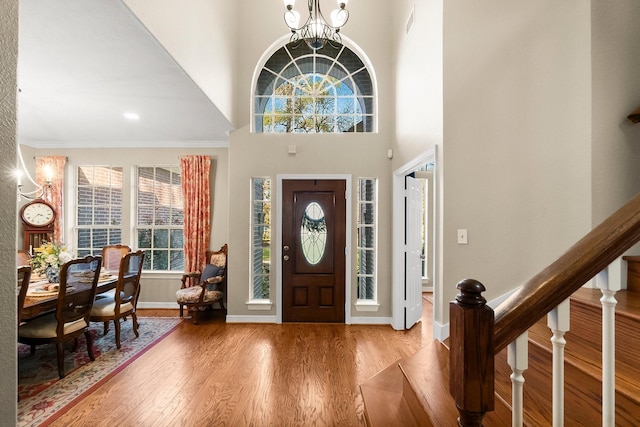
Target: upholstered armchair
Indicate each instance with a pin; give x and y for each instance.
(202, 289)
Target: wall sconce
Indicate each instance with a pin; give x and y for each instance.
(40, 191)
(635, 116)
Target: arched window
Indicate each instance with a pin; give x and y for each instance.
(305, 91)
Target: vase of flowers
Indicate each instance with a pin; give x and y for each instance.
(53, 274)
(48, 258)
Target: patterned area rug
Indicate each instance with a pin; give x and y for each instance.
(43, 395)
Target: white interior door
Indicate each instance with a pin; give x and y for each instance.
(413, 252)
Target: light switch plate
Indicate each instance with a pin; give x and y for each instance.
(462, 236)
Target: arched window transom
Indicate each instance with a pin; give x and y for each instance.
(305, 91)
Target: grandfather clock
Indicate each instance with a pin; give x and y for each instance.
(38, 217)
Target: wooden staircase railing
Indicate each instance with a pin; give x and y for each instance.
(477, 333)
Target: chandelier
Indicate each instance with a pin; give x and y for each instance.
(40, 191)
(316, 31)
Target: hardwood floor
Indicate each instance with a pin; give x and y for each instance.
(214, 374)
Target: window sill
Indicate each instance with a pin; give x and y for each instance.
(259, 305)
(365, 305)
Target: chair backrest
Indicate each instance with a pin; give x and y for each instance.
(112, 255)
(128, 286)
(81, 273)
(24, 258)
(219, 258)
(24, 275)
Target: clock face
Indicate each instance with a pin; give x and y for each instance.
(38, 214)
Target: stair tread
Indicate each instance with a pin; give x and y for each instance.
(384, 401)
(390, 401)
(584, 352)
(589, 359)
(427, 374)
(628, 301)
(404, 393)
(583, 361)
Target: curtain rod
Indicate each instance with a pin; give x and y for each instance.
(37, 157)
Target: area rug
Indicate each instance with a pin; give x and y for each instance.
(43, 395)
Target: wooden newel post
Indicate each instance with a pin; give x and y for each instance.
(472, 353)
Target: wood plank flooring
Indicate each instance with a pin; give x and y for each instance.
(218, 374)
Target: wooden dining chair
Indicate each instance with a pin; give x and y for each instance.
(24, 258)
(77, 291)
(111, 256)
(125, 298)
(24, 275)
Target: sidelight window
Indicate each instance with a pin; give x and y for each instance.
(366, 238)
(260, 237)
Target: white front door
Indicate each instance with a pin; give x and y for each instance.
(413, 252)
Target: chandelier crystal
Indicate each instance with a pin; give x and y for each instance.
(316, 30)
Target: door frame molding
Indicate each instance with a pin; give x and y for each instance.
(278, 235)
(398, 227)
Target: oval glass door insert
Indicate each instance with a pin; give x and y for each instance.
(313, 233)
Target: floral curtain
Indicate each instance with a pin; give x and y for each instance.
(197, 210)
(53, 167)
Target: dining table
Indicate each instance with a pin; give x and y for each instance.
(41, 301)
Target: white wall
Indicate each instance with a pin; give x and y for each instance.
(362, 155)
(419, 102)
(515, 163)
(418, 78)
(616, 93)
(316, 154)
(8, 211)
(201, 37)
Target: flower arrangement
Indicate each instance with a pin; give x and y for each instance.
(48, 258)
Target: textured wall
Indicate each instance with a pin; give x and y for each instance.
(8, 65)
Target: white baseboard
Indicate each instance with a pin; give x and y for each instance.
(497, 301)
(370, 320)
(266, 318)
(158, 305)
(251, 319)
(272, 319)
(440, 331)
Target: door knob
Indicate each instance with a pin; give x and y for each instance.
(286, 248)
(286, 257)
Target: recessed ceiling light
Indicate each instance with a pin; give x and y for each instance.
(130, 115)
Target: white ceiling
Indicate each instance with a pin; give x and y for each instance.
(83, 63)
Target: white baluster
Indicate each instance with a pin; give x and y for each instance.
(518, 359)
(609, 281)
(558, 322)
(609, 302)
